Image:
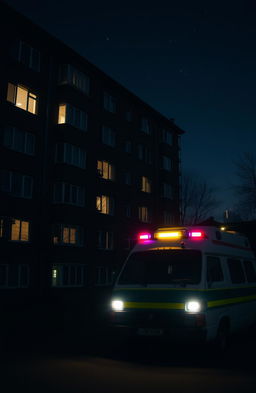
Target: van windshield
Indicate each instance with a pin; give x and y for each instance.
(172, 267)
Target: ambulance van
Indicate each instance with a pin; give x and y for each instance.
(193, 283)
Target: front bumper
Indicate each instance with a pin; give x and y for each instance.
(175, 326)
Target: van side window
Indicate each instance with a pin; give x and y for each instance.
(249, 271)
(236, 271)
(214, 270)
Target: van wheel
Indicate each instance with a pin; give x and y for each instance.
(223, 337)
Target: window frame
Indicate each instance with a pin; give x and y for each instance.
(72, 116)
(106, 203)
(167, 137)
(109, 102)
(230, 265)
(107, 271)
(22, 179)
(31, 97)
(33, 53)
(78, 161)
(108, 136)
(69, 266)
(80, 199)
(144, 215)
(19, 285)
(105, 240)
(145, 125)
(106, 170)
(146, 185)
(59, 232)
(75, 78)
(166, 163)
(20, 235)
(11, 140)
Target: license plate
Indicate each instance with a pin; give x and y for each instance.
(149, 332)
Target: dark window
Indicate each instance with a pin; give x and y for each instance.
(214, 270)
(249, 271)
(163, 267)
(236, 271)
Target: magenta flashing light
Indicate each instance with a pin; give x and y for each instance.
(196, 234)
(145, 236)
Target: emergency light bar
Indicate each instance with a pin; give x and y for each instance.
(173, 234)
(168, 235)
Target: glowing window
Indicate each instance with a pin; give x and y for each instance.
(69, 235)
(19, 230)
(22, 97)
(73, 116)
(62, 114)
(105, 204)
(106, 170)
(145, 184)
(64, 234)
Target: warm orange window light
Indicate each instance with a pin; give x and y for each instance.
(173, 235)
(62, 114)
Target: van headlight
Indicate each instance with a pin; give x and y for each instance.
(117, 305)
(193, 306)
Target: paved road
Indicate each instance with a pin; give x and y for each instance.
(92, 374)
(131, 368)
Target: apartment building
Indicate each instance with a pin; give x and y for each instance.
(84, 166)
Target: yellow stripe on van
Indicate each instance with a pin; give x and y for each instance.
(232, 300)
(169, 306)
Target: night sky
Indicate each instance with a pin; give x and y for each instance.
(193, 61)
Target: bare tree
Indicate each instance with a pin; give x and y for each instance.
(198, 200)
(246, 189)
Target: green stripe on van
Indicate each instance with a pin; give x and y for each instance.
(168, 299)
(232, 300)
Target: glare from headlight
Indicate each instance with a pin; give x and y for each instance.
(193, 306)
(117, 305)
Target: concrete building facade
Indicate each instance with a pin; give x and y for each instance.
(84, 166)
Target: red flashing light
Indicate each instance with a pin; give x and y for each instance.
(196, 234)
(144, 236)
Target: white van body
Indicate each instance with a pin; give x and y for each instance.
(187, 283)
